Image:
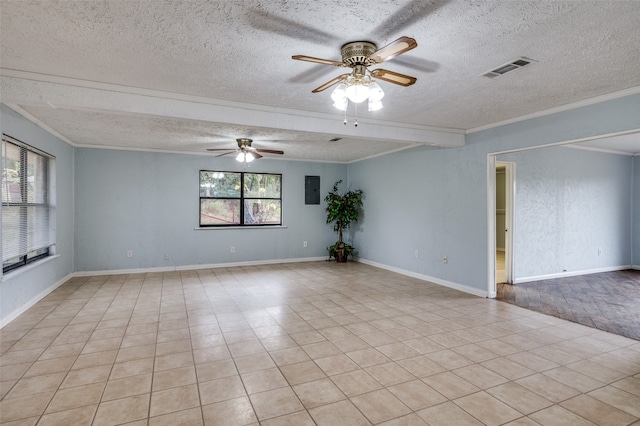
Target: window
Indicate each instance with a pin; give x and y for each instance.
(238, 199)
(26, 207)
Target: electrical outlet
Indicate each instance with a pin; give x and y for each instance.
(304, 244)
(233, 249)
(416, 253)
(129, 253)
(445, 259)
(166, 256)
(599, 252)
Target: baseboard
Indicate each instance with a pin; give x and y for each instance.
(439, 281)
(572, 274)
(22, 309)
(636, 267)
(194, 267)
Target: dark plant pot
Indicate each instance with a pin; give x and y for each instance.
(341, 257)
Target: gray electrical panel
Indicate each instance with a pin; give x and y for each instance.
(312, 189)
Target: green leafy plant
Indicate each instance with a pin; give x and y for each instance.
(342, 210)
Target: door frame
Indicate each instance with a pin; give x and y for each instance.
(509, 222)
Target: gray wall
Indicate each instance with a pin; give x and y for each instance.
(569, 204)
(23, 286)
(148, 203)
(635, 225)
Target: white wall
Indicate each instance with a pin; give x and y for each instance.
(20, 288)
(569, 204)
(635, 225)
(148, 203)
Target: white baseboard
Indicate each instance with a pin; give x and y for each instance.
(439, 281)
(22, 309)
(636, 267)
(571, 274)
(194, 267)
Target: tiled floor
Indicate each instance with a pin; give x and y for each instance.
(609, 301)
(303, 344)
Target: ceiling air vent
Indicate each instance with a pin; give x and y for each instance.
(503, 69)
(334, 139)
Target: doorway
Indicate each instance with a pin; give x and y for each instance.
(504, 223)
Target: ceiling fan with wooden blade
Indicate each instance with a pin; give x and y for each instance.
(244, 147)
(359, 56)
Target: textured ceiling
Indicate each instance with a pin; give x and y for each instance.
(190, 75)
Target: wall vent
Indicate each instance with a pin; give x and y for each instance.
(510, 66)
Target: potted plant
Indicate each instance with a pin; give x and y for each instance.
(342, 211)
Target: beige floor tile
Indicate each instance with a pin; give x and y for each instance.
(95, 359)
(447, 414)
(338, 413)
(275, 403)
(507, 368)
(171, 361)
(174, 399)
(408, 420)
(66, 399)
(533, 362)
(480, 376)
(380, 405)
(61, 351)
(302, 372)
(336, 364)
(487, 409)
(50, 366)
(37, 384)
(215, 370)
(75, 416)
(598, 412)
(85, 376)
(397, 351)
(618, 398)
(556, 415)
(547, 387)
(289, 356)
(355, 383)
(255, 362)
(416, 395)
(132, 368)
(629, 384)
(136, 352)
(421, 366)
(317, 393)
(573, 379)
(263, 380)
(127, 386)
(216, 353)
(173, 347)
(190, 417)
(220, 390)
(389, 374)
(174, 378)
(449, 359)
(13, 371)
(520, 398)
(24, 407)
(122, 410)
(450, 385)
(597, 371)
(321, 350)
(368, 357)
(300, 418)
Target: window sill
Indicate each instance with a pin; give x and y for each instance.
(28, 267)
(224, 228)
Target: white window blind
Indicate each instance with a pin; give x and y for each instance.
(25, 203)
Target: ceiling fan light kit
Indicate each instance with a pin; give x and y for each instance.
(245, 152)
(360, 85)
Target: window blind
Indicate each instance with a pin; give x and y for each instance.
(25, 202)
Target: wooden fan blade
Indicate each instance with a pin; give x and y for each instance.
(393, 49)
(226, 153)
(393, 77)
(269, 151)
(330, 83)
(255, 154)
(220, 149)
(317, 60)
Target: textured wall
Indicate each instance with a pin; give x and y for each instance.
(25, 285)
(435, 200)
(572, 211)
(148, 203)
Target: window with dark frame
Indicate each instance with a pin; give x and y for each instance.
(26, 204)
(240, 199)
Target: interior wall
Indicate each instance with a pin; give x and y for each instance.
(501, 205)
(148, 203)
(435, 200)
(572, 210)
(19, 288)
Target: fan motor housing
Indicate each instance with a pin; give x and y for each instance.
(357, 52)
